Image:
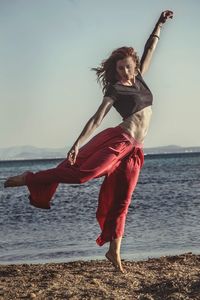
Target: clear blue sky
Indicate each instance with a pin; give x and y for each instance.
(47, 91)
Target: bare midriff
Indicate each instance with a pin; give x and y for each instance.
(137, 125)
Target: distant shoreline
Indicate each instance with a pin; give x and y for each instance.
(167, 277)
(147, 155)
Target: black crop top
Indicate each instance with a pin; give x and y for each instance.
(130, 99)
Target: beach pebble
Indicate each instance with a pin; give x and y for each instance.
(145, 297)
(33, 295)
(177, 296)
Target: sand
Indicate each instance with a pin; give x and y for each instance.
(167, 277)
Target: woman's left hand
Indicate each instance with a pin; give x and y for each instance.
(167, 14)
(72, 154)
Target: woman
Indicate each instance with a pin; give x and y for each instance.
(115, 153)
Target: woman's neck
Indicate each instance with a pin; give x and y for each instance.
(127, 82)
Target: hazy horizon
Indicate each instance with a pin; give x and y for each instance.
(47, 90)
(68, 146)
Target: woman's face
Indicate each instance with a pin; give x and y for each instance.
(126, 68)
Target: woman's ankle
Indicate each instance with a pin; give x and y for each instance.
(114, 252)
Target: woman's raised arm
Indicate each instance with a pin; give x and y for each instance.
(152, 41)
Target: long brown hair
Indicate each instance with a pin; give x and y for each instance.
(106, 72)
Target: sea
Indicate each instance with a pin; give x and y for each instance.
(163, 218)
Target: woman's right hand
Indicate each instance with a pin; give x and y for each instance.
(167, 14)
(72, 154)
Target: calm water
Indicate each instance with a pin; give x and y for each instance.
(163, 218)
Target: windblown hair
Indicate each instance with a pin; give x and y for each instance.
(106, 73)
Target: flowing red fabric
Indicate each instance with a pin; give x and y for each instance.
(115, 196)
(112, 153)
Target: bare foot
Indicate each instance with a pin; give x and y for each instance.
(115, 260)
(18, 180)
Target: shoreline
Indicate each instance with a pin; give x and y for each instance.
(167, 277)
(148, 155)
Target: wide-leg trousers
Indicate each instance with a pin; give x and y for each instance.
(103, 155)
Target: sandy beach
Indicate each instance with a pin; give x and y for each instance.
(167, 277)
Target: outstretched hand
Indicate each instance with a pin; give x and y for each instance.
(167, 14)
(72, 154)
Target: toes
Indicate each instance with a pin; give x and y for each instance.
(5, 184)
(13, 181)
(115, 262)
(8, 183)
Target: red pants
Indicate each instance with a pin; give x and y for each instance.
(112, 153)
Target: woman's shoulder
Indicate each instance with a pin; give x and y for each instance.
(110, 91)
(110, 88)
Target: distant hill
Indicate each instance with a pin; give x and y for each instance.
(171, 149)
(30, 152)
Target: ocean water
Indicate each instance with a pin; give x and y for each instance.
(163, 218)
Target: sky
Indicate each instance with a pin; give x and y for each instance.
(48, 91)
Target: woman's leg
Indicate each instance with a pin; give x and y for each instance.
(94, 160)
(85, 151)
(114, 200)
(18, 180)
(113, 254)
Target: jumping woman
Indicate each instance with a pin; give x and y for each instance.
(116, 152)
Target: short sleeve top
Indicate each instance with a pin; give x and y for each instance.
(130, 99)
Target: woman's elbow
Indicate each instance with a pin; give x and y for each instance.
(97, 123)
(97, 120)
